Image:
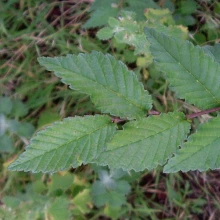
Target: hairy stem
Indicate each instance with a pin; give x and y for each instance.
(197, 114)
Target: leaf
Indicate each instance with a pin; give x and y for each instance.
(10, 201)
(47, 117)
(5, 105)
(127, 30)
(59, 209)
(145, 143)
(187, 7)
(72, 141)
(163, 16)
(25, 129)
(82, 202)
(193, 75)
(109, 189)
(112, 212)
(201, 152)
(105, 33)
(6, 144)
(60, 182)
(22, 129)
(101, 10)
(19, 109)
(113, 196)
(112, 87)
(186, 20)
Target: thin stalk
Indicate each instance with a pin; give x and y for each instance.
(197, 114)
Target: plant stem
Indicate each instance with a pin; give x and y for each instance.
(189, 116)
(197, 114)
(152, 112)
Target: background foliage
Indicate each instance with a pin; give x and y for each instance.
(32, 99)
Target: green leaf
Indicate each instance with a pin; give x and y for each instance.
(172, 31)
(201, 151)
(6, 144)
(22, 129)
(82, 201)
(145, 143)
(25, 129)
(188, 7)
(105, 33)
(186, 20)
(5, 105)
(114, 197)
(193, 74)
(10, 201)
(113, 212)
(127, 30)
(101, 10)
(47, 117)
(163, 16)
(59, 209)
(71, 142)
(110, 189)
(60, 182)
(19, 109)
(112, 87)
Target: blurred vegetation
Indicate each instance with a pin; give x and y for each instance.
(31, 98)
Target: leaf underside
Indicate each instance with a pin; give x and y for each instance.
(73, 141)
(145, 143)
(112, 87)
(201, 152)
(193, 74)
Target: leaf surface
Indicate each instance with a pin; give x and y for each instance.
(112, 87)
(145, 143)
(72, 141)
(213, 51)
(201, 152)
(192, 73)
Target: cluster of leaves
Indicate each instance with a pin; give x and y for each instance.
(110, 189)
(127, 30)
(40, 199)
(55, 35)
(145, 142)
(10, 113)
(50, 196)
(111, 8)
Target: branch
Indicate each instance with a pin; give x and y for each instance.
(197, 114)
(189, 116)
